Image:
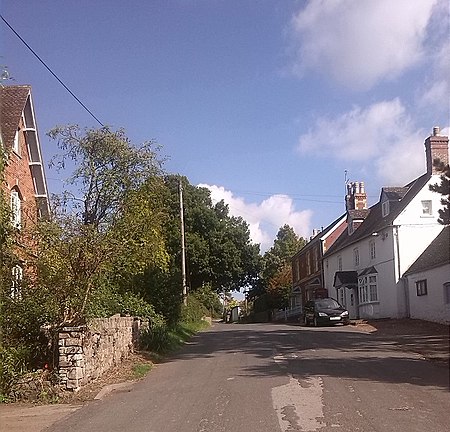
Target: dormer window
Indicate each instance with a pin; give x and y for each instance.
(385, 208)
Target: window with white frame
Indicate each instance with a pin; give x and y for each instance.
(421, 287)
(447, 292)
(368, 289)
(427, 208)
(16, 143)
(16, 281)
(16, 209)
(356, 257)
(373, 252)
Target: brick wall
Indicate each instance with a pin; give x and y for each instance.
(86, 352)
(18, 176)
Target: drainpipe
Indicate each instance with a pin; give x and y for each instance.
(400, 278)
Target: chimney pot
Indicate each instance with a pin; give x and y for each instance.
(436, 131)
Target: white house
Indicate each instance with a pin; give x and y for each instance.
(364, 267)
(428, 281)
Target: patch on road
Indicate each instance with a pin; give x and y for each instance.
(299, 405)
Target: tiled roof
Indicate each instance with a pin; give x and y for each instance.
(358, 214)
(435, 255)
(394, 193)
(375, 222)
(12, 103)
(319, 236)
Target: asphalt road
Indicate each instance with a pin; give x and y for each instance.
(278, 378)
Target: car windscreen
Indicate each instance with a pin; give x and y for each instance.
(327, 304)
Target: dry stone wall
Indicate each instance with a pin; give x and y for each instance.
(86, 352)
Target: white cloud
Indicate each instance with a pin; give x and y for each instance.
(381, 136)
(359, 42)
(264, 218)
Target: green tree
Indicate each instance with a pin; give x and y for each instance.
(444, 189)
(276, 274)
(106, 226)
(218, 246)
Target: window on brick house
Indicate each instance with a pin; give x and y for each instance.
(16, 281)
(421, 287)
(16, 209)
(16, 143)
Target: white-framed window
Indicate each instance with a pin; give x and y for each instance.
(385, 208)
(447, 292)
(339, 263)
(368, 289)
(427, 208)
(421, 287)
(16, 281)
(356, 257)
(16, 209)
(16, 143)
(373, 252)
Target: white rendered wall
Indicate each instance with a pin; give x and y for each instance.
(433, 306)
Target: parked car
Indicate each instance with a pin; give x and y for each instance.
(324, 311)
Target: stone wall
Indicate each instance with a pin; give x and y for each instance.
(86, 352)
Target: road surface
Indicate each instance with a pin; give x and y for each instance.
(278, 378)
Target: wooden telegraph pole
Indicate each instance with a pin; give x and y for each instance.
(183, 252)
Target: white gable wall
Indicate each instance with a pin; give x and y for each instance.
(434, 306)
(415, 230)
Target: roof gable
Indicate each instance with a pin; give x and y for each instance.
(375, 221)
(435, 255)
(12, 105)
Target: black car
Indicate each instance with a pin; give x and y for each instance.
(324, 311)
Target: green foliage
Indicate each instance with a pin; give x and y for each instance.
(276, 280)
(13, 364)
(218, 247)
(443, 188)
(107, 226)
(210, 299)
(194, 311)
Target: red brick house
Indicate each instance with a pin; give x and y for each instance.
(307, 272)
(24, 177)
(24, 184)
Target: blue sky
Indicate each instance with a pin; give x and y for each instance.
(268, 103)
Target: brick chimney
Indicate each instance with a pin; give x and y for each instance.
(356, 198)
(436, 147)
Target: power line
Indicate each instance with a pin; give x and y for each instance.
(53, 73)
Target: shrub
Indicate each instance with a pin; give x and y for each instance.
(13, 364)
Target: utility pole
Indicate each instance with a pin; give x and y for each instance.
(183, 252)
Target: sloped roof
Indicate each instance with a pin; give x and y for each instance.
(358, 213)
(12, 104)
(375, 221)
(435, 255)
(394, 193)
(345, 278)
(319, 236)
